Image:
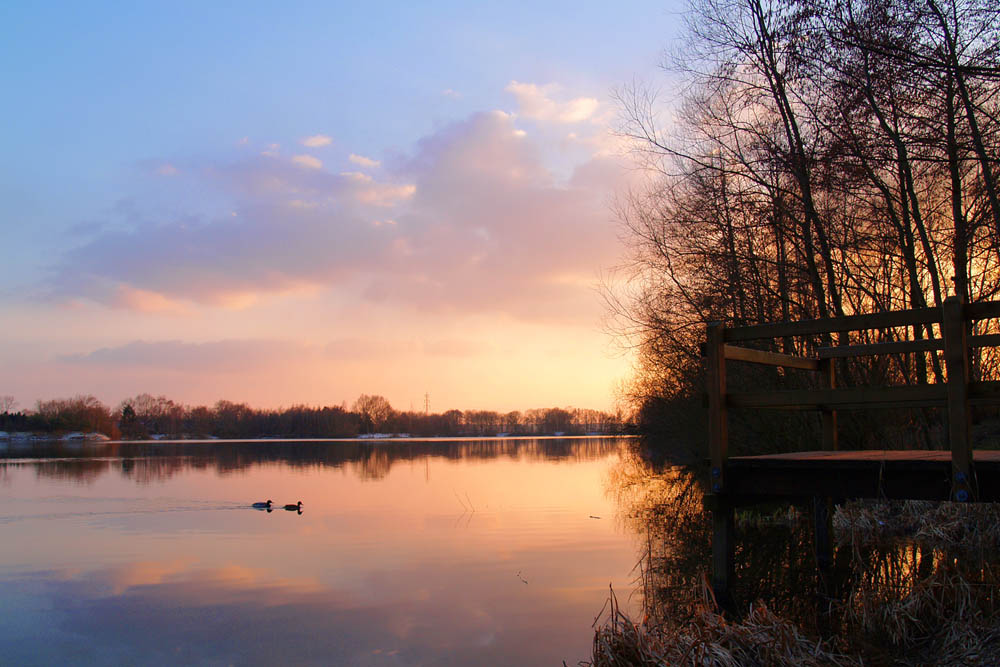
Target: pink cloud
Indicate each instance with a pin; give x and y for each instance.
(211, 357)
(363, 161)
(145, 301)
(308, 161)
(538, 102)
(481, 224)
(317, 141)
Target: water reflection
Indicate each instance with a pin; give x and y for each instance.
(147, 462)
(911, 583)
(167, 613)
(774, 560)
(406, 553)
(663, 506)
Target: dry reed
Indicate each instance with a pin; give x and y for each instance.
(922, 588)
(708, 638)
(926, 577)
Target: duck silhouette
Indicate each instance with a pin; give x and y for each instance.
(262, 506)
(295, 508)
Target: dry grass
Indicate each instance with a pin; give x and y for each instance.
(969, 531)
(926, 580)
(942, 620)
(922, 588)
(761, 638)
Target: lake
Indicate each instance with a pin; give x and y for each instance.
(452, 552)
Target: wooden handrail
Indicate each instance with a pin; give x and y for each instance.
(984, 310)
(871, 349)
(899, 318)
(754, 356)
(900, 347)
(734, 353)
(955, 396)
(929, 395)
(872, 398)
(985, 340)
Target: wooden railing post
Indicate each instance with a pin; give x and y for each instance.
(715, 381)
(956, 358)
(718, 446)
(828, 374)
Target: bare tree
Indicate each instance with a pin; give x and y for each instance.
(374, 410)
(825, 158)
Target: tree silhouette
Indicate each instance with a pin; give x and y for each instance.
(374, 411)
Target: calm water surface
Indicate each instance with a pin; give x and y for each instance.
(405, 553)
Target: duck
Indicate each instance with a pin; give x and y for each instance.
(294, 508)
(262, 506)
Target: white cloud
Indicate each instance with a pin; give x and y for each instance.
(317, 141)
(308, 161)
(166, 170)
(453, 94)
(537, 102)
(363, 161)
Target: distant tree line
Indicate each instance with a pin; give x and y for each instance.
(825, 158)
(144, 416)
(81, 413)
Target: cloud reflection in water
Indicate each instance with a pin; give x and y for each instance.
(155, 561)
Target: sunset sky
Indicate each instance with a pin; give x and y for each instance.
(287, 203)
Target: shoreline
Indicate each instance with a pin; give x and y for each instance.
(394, 439)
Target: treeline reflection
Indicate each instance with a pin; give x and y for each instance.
(774, 559)
(149, 462)
(911, 582)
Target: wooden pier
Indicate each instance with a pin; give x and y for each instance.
(957, 473)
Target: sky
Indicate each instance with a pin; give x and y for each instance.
(285, 203)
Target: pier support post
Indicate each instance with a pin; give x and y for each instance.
(823, 533)
(718, 444)
(822, 506)
(826, 576)
(723, 549)
(956, 357)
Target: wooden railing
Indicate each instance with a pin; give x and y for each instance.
(956, 395)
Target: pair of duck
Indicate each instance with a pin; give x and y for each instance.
(267, 506)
